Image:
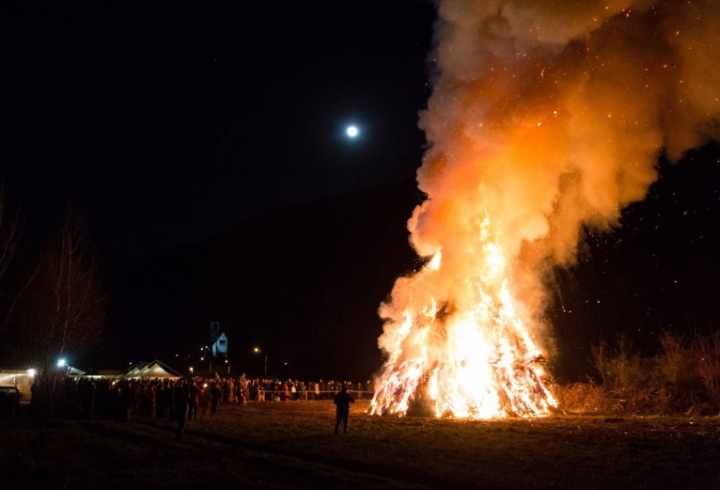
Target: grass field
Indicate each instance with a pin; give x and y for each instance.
(291, 445)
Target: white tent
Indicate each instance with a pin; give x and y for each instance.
(153, 369)
(73, 371)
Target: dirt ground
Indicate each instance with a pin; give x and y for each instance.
(291, 445)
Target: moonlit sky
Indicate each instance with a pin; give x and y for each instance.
(174, 129)
(207, 147)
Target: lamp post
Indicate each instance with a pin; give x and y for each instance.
(258, 350)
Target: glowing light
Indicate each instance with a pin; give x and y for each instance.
(352, 131)
(62, 362)
(256, 350)
(31, 372)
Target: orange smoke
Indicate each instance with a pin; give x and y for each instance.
(546, 116)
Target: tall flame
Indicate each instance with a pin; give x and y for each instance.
(546, 116)
(475, 362)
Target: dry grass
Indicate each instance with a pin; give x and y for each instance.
(683, 377)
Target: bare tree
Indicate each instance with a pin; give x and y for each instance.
(8, 235)
(64, 310)
(9, 294)
(76, 300)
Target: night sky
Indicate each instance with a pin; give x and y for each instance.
(204, 145)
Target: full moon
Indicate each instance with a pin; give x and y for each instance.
(352, 131)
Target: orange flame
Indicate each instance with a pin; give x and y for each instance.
(478, 362)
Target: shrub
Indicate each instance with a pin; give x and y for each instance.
(708, 365)
(684, 376)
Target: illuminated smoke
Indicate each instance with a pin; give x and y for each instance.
(546, 115)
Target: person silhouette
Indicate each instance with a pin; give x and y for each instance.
(342, 408)
(181, 406)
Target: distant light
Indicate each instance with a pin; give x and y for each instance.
(285, 363)
(31, 372)
(191, 369)
(256, 350)
(352, 131)
(202, 358)
(62, 362)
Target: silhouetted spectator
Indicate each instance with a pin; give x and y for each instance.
(194, 396)
(181, 405)
(215, 396)
(342, 408)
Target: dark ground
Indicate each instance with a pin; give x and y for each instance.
(291, 445)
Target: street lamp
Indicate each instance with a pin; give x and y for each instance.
(62, 362)
(191, 369)
(31, 372)
(258, 350)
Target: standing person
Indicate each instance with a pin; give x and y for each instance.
(194, 397)
(285, 394)
(225, 391)
(238, 391)
(152, 399)
(181, 406)
(204, 399)
(244, 388)
(215, 396)
(342, 408)
(231, 390)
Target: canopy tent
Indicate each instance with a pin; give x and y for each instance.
(106, 374)
(73, 371)
(153, 369)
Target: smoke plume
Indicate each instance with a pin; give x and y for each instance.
(546, 116)
(550, 114)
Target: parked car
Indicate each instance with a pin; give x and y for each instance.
(9, 401)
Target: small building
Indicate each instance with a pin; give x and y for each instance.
(20, 379)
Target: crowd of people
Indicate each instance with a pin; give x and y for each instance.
(193, 397)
